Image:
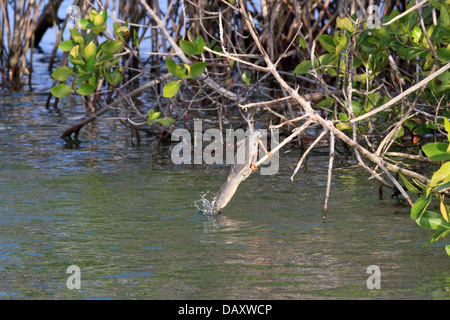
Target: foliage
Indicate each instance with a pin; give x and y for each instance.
(435, 189)
(185, 71)
(402, 40)
(90, 62)
(373, 53)
(154, 117)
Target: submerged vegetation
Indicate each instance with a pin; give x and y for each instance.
(372, 77)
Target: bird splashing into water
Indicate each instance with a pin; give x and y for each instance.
(243, 166)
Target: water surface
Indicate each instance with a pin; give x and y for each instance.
(127, 217)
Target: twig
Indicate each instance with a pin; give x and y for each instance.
(76, 128)
(404, 94)
(299, 164)
(327, 124)
(296, 132)
(408, 156)
(234, 57)
(288, 121)
(420, 4)
(203, 77)
(257, 104)
(330, 172)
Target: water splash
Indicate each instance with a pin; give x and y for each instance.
(204, 205)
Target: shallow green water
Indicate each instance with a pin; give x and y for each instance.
(126, 216)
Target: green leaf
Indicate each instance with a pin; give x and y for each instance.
(345, 24)
(98, 20)
(444, 16)
(447, 126)
(81, 79)
(356, 106)
(343, 126)
(325, 103)
(77, 37)
(412, 53)
(447, 249)
(80, 70)
(444, 81)
(441, 186)
(303, 67)
(442, 175)
(90, 36)
(86, 89)
(302, 42)
(122, 29)
(117, 76)
(399, 134)
(438, 235)
(75, 51)
(200, 43)
(112, 46)
(92, 15)
(181, 71)
(90, 63)
(212, 43)
(89, 50)
(135, 39)
(432, 220)
(327, 43)
(93, 81)
(107, 75)
(99, 29)
(113, 62)
(188, 48)
(67, 45)
(83, 24)
(165, 121)
(416, 34)
(77, 61)
(106, 57)
(104, 15)
(328, 59)
(61, 90)
(246, 78)
(196, 70)
(420, 206)
(62, 73)
(171, 88)
(172, 67)
(343, 116)
(409, 185)
(436, 151)
(152, 115)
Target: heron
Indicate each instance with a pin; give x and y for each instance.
(240, 170)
